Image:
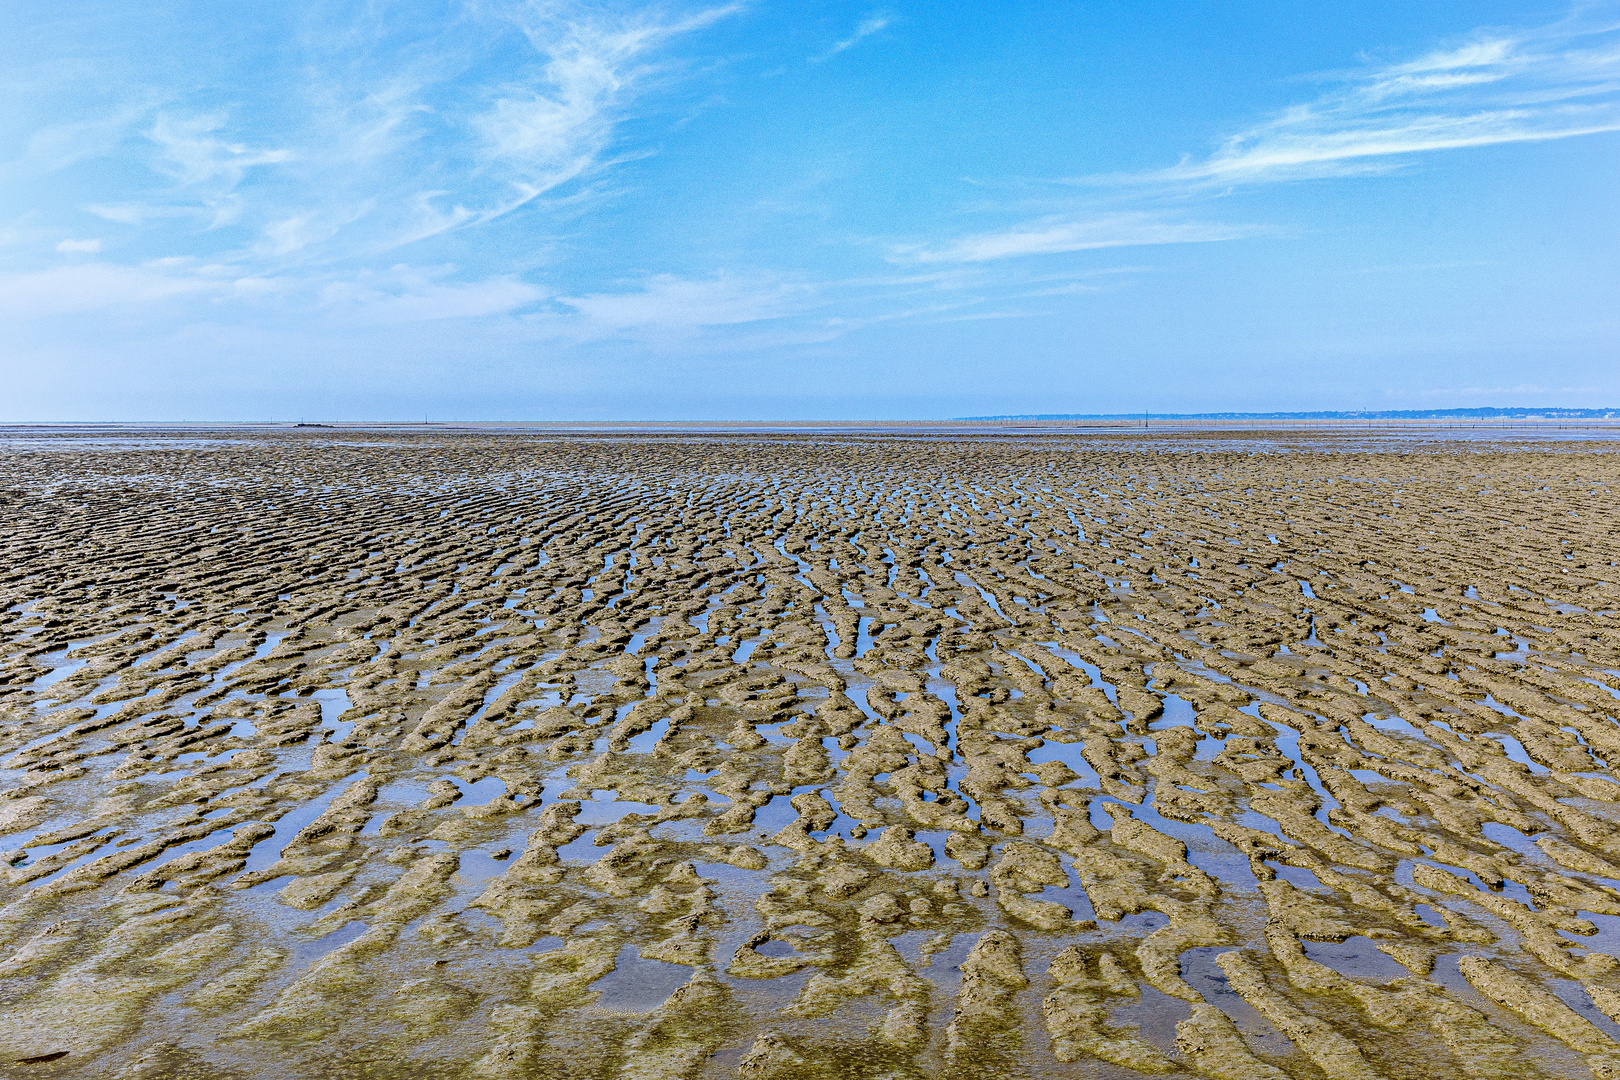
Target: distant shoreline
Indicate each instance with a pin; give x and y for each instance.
(1504, 413)
(1468, 424)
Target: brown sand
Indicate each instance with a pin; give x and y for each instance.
(482, 754)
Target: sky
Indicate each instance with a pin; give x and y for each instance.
(508, 210)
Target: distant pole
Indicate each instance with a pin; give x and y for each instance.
(1144, 419)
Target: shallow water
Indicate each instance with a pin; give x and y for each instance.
(471, 740)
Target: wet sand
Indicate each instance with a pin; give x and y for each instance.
(489, 754)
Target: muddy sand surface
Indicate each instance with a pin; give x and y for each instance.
(491, 754)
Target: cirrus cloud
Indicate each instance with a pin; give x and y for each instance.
(1533, 87)
(1053, 235)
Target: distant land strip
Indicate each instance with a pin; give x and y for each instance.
(1506, 413)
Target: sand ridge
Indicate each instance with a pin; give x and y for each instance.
(497, 754)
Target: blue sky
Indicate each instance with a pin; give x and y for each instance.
(493, 209)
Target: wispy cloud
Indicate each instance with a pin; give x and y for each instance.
(867, 27)
(987, 316)
(193, 154)
(136, 213)
(65, 142)
(405, 295)
(99, 286)
(669, 301)
(731, 310)
(383, 131)
(1494, 89)
(305, 183)
(1554, 83)
(1052, 235)
(555, 125)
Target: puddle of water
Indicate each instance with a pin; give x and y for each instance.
(1072, 896)
(213, 839)
(1516, 751)
(833, 640)
(783, 948)
(639, 638)
(1389, 724)
(479, 792)
(843, 823)
(1574, 995)
(1144, 922)
(1205, 850)
(924, 747)
(1355, 958)
(306, 951)
(1509, 837)
(643, 743)
(967, 582)
(582, 848)
(1155, 1015)
(1605, 687)
(334, 703)
(775, 815)
(395, 794)
(638, 985)
(1178, 712)
(1253, 819)
(1606, 940)
(268, 850)
(1032, 665)
(1093, 672)
(1297, 876)
(603, 809)
(1288, 742)
(1199, 968)
(57, 674)
(946, 970)
(94, 853)
(863, 635)
(1430, 915)
(1510, 889)
(479, 866)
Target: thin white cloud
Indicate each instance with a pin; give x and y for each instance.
(669, 301)
(1053, 235)
(399, 295)
(405, 295)
(1495, 89)
(453, 123)
(425, 219)
(390, 131)
(1490, 91)
(299, 231)
(134, 213)
(984, 316)
(193, 154)
(99, 286)
(59, 145)
(557, 125)
(868, 26)
(733, 311)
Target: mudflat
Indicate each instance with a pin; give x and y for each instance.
(489, 754)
